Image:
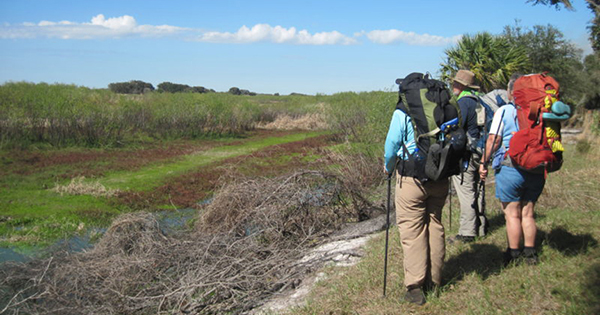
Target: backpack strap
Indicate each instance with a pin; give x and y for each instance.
(516, 116)
(479, 110)
(430, 134)
(404, 148)
(506, 159)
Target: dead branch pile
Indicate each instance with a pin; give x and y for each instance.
(244, 248)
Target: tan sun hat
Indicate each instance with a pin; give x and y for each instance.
(466, 78)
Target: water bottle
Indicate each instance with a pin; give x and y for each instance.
(419, 156)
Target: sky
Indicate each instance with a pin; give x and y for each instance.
(266, 46)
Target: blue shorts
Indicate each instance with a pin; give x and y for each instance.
(515, 185)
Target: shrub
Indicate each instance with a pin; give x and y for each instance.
(131, 87)
(583, 146)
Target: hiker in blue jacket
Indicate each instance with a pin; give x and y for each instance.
(516, 189)
(418, 214)
(466, 184)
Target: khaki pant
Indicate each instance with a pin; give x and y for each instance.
(419, 218)
(466, 195)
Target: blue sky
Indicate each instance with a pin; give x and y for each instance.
(268, 46)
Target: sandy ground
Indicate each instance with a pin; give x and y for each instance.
(344, 249)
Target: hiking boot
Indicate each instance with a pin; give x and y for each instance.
(431, 288)
(506, 258)
(529, 256)
(511, 256)
(461, 238)
(415, 296)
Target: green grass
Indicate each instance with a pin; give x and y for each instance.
(32, 213)
(153, 175)
(59, 115)
(566, 281)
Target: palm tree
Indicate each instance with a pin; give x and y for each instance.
(491, 58)
(594, 27)
(555, 3)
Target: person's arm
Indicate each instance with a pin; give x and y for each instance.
(493, 142)
(393, 142)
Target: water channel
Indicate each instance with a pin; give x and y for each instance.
(169, 221)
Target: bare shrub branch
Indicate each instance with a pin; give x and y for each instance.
(245, 247)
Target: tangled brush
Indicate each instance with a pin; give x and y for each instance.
(245, 247)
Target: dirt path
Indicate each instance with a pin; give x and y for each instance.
(345, 248)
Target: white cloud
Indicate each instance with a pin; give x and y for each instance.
(124, 22)
(98, 27)
(277, 34)
(394, 36)
(126, 26)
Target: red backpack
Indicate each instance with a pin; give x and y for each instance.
(529, 147)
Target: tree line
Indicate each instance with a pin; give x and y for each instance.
(141, 87)
(542, 48)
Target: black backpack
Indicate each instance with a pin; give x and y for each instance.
(441, 142)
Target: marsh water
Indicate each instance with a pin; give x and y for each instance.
(169, 221)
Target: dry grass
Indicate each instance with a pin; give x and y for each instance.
(590, 125)
(79, 186)
(359, 169)
(311, 121)
(474, 278)
(575, 187)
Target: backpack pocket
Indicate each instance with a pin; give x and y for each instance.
(532, 153)
(444, 159)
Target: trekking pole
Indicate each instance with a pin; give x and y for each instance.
(483, 196)
(475, 204)
(450, 206)
(387, 232)
(482, 209)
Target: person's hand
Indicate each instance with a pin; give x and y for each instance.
(483, 172)
(387, 174)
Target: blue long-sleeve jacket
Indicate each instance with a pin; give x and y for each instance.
(401, 131)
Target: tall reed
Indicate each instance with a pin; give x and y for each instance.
(66, 115)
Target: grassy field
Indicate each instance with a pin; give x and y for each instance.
(73, 158)
(46, 203)
(43, 115)
(566, 281)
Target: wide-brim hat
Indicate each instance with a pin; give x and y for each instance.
(466, 78)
